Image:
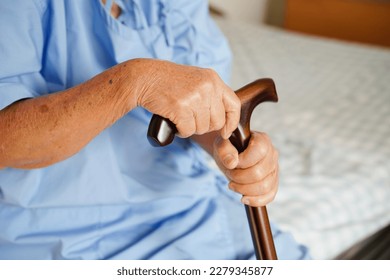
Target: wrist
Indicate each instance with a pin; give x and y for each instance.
(139, 76)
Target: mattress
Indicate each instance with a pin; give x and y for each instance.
(331, 127)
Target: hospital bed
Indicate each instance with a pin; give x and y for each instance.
(331, 127)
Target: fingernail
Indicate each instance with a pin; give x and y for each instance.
(228, 160)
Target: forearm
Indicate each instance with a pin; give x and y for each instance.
(41, 131)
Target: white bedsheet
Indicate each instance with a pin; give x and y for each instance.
(331, 126)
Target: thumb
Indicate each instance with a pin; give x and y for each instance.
(225, 153)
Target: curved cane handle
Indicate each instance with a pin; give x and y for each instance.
(162, 131)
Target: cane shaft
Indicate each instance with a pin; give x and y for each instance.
(257, 216)
(162, 132)
(261, 233)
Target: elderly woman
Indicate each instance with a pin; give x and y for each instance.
(78, 180)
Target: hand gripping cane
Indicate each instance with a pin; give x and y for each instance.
(162, 132)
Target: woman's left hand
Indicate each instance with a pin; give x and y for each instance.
(253, 173)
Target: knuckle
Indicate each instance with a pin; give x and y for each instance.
(185, 129)
(218, 123)
(266, 187)
(208, 77)
(266, 137)
(185, 133)
(262, 150)
(180, 105)
(259, 145)
(258, 174)
(202, 129)
(236, 103)
(211, 73)
(205, 90)
(254, 148)
(257, 189)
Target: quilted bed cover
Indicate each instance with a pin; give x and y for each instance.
(331, 126)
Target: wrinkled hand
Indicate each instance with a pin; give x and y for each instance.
(254, 172)
(195, 99)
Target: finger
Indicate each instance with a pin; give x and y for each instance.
(232, 106)
(185, 124)
(217, 115)
(260, 200)
(254, 173)
(269, 184)
(225, 153)
(202, 120)
(258, 147)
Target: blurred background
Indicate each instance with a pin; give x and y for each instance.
(366, 21)
(330, 60)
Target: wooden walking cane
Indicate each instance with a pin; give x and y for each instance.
(162, 132)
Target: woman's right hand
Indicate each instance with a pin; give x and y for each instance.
(195, 99)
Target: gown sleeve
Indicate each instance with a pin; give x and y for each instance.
(21, 49)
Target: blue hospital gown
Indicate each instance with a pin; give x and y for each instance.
(118, 198)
